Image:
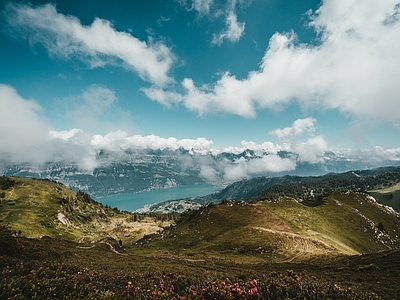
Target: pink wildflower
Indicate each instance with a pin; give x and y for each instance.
(252, 291)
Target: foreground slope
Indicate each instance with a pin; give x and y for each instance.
(58, 269)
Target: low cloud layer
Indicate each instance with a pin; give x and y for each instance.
(353, 68)
(28, 138)
(97, 45)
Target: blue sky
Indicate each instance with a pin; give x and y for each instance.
(305, 76)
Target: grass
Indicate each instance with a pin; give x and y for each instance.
(344, 223)
(36, 205)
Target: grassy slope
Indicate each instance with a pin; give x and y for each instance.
(346, 220)
(344, 223)
(33, 206)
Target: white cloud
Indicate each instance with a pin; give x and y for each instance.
(65, 135)
(312, 149)
(23, 132)
(233, 29)
(299, 127)
(354, 68)
(374, 155)
(266, 147)
(121, 141)
(98, 45)
(233, 32)
(248, 168)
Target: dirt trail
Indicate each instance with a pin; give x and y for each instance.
(112, 248)
(303, 245)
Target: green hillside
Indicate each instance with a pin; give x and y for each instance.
(343, 223)
(37, 208)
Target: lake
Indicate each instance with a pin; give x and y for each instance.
(134, 201)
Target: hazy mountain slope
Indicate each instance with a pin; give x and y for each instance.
(286, 229)
(146, 173)
(137, 170)
(301, 186)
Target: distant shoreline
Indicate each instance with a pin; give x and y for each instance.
(138, 200)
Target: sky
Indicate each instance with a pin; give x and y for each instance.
(304, 76)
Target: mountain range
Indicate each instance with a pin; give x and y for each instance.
(143, 170)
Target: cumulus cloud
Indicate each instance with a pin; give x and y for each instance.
(299, 127)
(354, 68)
(312, 149)
(97, 45)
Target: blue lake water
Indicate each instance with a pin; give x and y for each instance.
(134, 201)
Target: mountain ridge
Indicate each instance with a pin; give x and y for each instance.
(306, 188)
(147, 169)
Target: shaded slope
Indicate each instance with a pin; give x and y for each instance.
(388, 196)
(299, 187)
